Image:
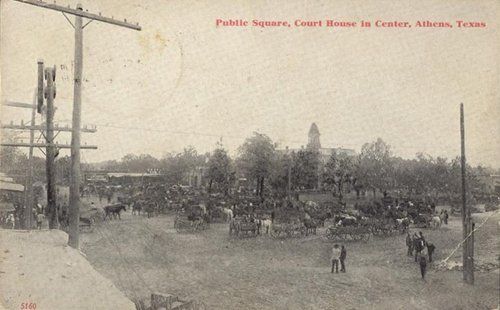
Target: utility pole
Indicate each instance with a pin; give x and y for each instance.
(289, 188)
(28, 197)
(468, 250)
(50, 92)
(28, 189)
(74, 188)
(74, 196)
(42, 93)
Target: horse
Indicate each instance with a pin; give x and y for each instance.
(114, 211)
(311, 226)
(11, 221)
(228, 214)
(266, 225)
(345, 220)
(436, 221)
(234, 226)
(136, 208)
(150, 209)
(404, 223)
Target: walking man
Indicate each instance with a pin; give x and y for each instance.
(343, 255)
(335, 258)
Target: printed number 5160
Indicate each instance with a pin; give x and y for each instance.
(28, 306)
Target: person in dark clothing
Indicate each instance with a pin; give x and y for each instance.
(418, 245)
(446, 217)
(421, 236)
(343, 255)
(430, 250)
(423, 265)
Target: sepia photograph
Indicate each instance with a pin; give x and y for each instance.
(249, 154)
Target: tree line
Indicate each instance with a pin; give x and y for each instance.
(271, 171)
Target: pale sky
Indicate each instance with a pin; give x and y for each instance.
(183, 81)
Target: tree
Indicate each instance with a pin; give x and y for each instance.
(139, 164)
(305, 165)
(219, 169)
(255, 160)
(177, 166)
(278, 177)
(338, 172)
(375, 166)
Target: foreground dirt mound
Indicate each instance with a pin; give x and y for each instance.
(37, 267)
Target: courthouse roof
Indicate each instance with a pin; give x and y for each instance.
(314, 129)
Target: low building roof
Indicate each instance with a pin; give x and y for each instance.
(7, 186)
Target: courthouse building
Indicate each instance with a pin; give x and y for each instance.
(314, 144)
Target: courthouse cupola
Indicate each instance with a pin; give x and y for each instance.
(314, 137)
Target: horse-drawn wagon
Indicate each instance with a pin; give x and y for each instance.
(422, 220)
(344, 233)
(241, 227)
(290, 229)
(90, 215)
(195, 219)
(188, 224)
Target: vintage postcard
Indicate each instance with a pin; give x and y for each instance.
(249, 154)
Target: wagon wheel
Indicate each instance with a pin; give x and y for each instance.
(177, 226)
(92, 225)
(366, 236)
(303, 231)
(273, 232)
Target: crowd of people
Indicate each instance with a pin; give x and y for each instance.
(420, 249)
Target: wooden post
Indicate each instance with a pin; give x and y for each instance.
(74, 192)
(74, 208)
(28, 198)
(289, 189)
(471, 252)
(468, 267)
(50, 152)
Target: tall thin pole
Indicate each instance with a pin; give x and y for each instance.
(75, 137)
(28, 199)
(74, 193)
(289, 188)
(468, 268)
(50, 153)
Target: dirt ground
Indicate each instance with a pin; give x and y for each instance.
(143, 255)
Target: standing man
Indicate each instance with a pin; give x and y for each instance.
(343, 255)
(421, 236)
(430, 250)
(39, 220)
(446, 217)
(335, 258)
(423, 264)
(409, 244)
